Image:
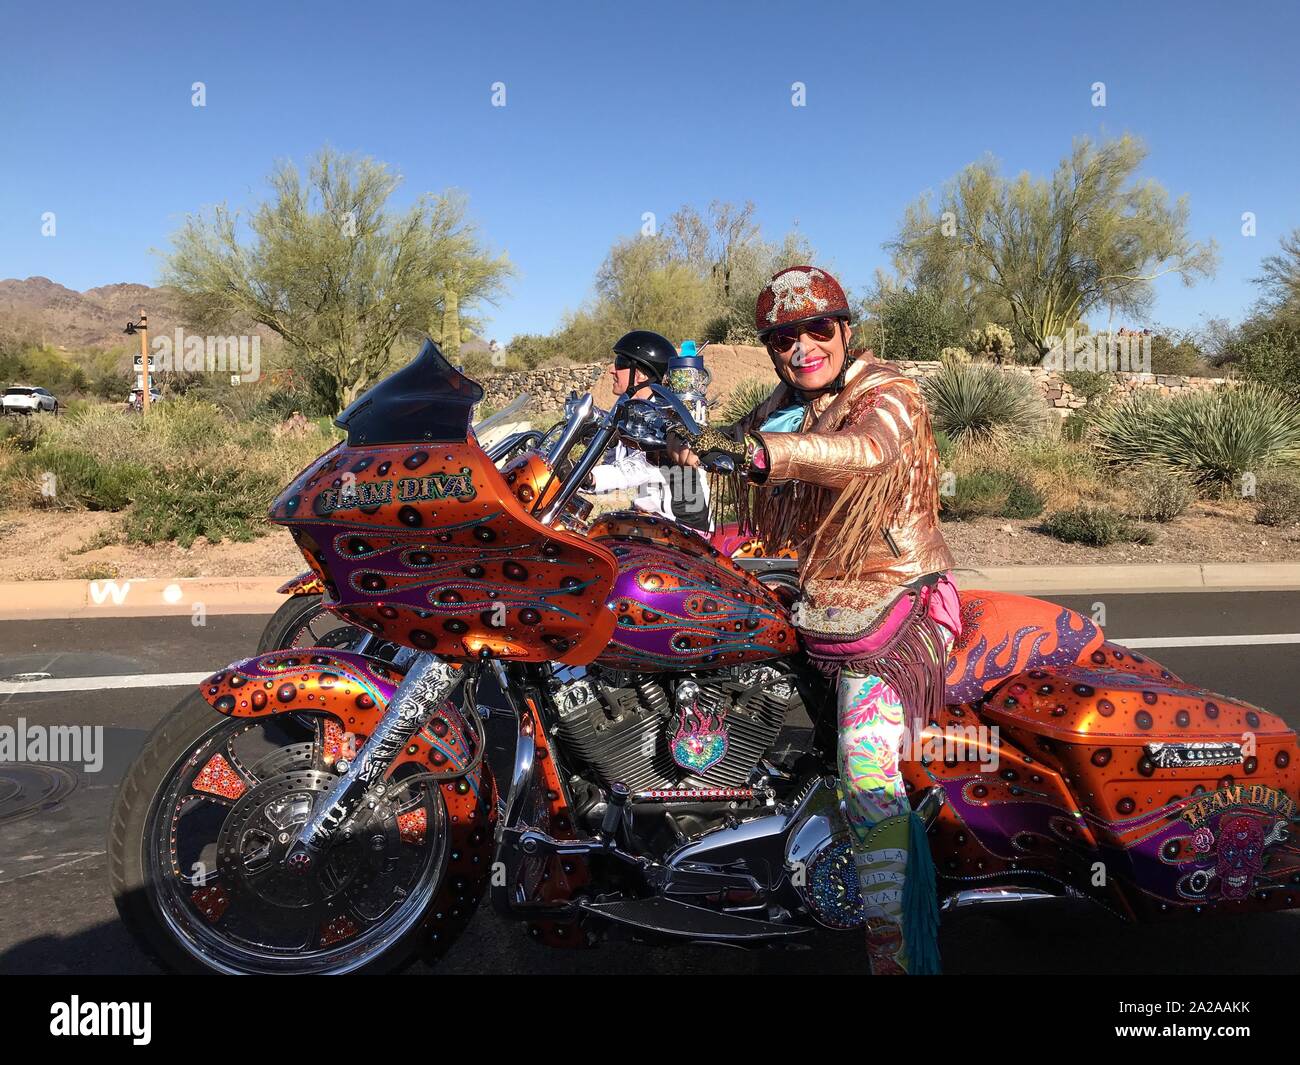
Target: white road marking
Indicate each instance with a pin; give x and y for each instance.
(91, 684)
(177, 680)
(85, 856)
(1207, 641)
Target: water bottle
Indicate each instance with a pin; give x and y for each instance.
(690, 380)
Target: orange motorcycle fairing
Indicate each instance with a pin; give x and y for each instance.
(353, 691)
(681, 604)
(308, 583)
(427, 545)
(637, 525)
(532, 481)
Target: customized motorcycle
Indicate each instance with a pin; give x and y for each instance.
(672, 775)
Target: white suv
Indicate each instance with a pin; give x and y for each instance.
(24, 400)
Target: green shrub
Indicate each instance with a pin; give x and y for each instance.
(944, 445)
(977, 400)
(532, 350)
(744, 397)
(1176, 354)
(1213, 437)
(186, 470)
(1094, 526)
(1062, 471)
(202, 500)
(913, 325)
(1074, 426)
(1270, 353)
(992, 494)
(1278, 496)
(1157, 493)
(80, 477)
(22, 434)
(1023, 501)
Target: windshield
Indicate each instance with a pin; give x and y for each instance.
(428, 399)
(18, 391)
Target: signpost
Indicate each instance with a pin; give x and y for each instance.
(142, 360)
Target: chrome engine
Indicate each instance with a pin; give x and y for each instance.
(624, 725)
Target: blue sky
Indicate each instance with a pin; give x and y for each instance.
(615, 109)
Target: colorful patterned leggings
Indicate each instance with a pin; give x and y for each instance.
(874, 803)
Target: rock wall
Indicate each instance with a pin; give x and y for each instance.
(1062, 397)
(731, 366)
(547, 388)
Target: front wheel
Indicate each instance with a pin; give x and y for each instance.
(302, 621)
(200, 828)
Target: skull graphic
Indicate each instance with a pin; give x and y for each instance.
(793, 293)
(1240, 855)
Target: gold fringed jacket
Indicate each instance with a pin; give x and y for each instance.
(863, 464)
(856, 493)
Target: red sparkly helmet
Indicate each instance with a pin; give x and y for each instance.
(797, 294)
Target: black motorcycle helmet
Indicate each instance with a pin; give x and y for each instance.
(645, 351)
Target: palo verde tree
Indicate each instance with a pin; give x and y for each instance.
(347, 280)
(1041, 253)
(725, 247)
(699, 278)
(1279, 278)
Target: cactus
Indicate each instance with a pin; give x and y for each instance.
(993, 342)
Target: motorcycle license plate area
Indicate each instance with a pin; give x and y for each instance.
(1189, 795)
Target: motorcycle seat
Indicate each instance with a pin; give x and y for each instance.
(1004, 634)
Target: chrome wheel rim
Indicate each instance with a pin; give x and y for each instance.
(221, 825)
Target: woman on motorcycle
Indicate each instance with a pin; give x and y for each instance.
(843, 466)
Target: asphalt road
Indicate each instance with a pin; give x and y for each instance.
(56, 915)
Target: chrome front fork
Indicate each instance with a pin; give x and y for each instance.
(428, 683)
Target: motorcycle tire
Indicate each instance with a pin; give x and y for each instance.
(129, 839)
(296, 615)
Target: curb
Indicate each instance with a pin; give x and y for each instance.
(1084, 580)
(157, 597)
(130, 598)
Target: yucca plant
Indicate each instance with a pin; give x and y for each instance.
(1213, 437)
(974, 401)
(744, 397)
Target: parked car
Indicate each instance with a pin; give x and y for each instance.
(23, 399)
(136, 400)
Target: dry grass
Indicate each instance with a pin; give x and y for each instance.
(1063, 473)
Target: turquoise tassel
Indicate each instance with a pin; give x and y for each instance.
(920, 904)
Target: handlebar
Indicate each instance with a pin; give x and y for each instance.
(645, 422)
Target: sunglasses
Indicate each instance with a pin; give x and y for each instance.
(784, 339)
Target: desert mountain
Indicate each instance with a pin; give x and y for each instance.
(44, 311)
